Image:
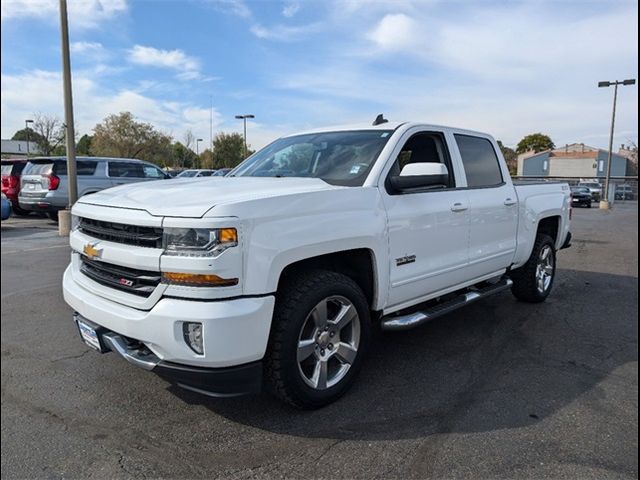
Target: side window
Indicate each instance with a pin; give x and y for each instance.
(427, 147)
(152, 172)
(480, 161)
(125, 170)
(86, 167)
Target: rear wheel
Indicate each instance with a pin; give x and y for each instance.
(319, 336)
(53, 216)
(19, 211)
(533, 281)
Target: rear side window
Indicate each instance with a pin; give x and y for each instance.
(480, 161)
(126, 170)
(6, 168)
(59, 167)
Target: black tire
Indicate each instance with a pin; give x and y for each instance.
(19, 211)
(589, 205)
(297, 298)
(53, 216)
(525, 281)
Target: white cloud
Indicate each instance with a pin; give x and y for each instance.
(188, 67)
(290, 9)
(234, 7)
(86, 47)
(84, 14)
(284, 33)
(41, 91)
(394, 32)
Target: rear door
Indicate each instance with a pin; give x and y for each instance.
(493, 205)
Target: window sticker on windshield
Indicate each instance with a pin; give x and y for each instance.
(354, 169)
(385, 134)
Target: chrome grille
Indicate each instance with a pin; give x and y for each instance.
(122, 233)
(131, 280)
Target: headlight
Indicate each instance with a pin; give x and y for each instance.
(198, 242)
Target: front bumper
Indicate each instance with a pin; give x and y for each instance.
(235, 332)
(215, 382)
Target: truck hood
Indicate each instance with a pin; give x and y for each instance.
(193, 197)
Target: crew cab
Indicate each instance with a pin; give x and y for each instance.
(274, 276)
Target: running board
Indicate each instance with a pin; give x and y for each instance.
(412, 320)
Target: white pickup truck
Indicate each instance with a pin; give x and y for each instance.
(275, 276)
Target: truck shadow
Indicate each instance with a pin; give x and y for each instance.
(493, 365)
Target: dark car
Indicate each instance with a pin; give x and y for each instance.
(11, 172)
(581, 196)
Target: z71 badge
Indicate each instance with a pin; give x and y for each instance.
(404, 260)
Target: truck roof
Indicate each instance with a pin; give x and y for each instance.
(382, 127)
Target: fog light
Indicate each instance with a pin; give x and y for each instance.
(192, 332)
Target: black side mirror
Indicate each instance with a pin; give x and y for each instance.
(400, 183)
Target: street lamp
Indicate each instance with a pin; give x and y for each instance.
(26, 127)
(244, 119)
(604, 204)
(198, 140)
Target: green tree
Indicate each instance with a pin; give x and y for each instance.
(537, 142)
(228, 150)
(182, 156)
(27, 134)
(510, 156)
(122, 136)
(47, 133)
(84, 145)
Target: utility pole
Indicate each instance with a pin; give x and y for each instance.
(604, 203)
(68, 106)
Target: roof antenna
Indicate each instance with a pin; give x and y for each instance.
(379, 120)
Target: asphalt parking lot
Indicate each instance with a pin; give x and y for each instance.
(500, 389)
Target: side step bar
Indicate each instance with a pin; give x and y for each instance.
(412, 320)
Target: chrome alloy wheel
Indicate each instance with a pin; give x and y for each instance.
(328, 342)
(544, 269)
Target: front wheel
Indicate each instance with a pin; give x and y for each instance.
(533, 281)
(320, 334)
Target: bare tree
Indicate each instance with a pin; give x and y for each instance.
(50, 132)
(189, 138)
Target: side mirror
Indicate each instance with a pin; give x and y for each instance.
(421, 175)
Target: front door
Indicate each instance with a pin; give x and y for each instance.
(428, 230)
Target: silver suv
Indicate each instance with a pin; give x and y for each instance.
(45, 187)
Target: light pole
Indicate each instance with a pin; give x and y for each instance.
(604, 203)
(244, 119)
(26, 127)
(198, 140)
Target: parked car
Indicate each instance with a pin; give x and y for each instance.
(276, 275)
(624, 192)
(11, 171)
(5, 210)
(594, 187)
(222, 172)
(196, 173)
(44, 183)
(581, 196)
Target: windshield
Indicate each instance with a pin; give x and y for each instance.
(6, 168)
(338, 158)
(187, 173)
(580, 190)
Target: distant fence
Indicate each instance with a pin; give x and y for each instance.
(630, 181)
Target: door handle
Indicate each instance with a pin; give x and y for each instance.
(458, 207)
(510, 202)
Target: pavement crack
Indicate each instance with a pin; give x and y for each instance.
(70, 357)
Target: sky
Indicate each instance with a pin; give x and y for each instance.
(508, 68)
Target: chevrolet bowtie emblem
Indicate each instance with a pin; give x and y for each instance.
(91, 251)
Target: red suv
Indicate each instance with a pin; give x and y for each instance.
(11, 171)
